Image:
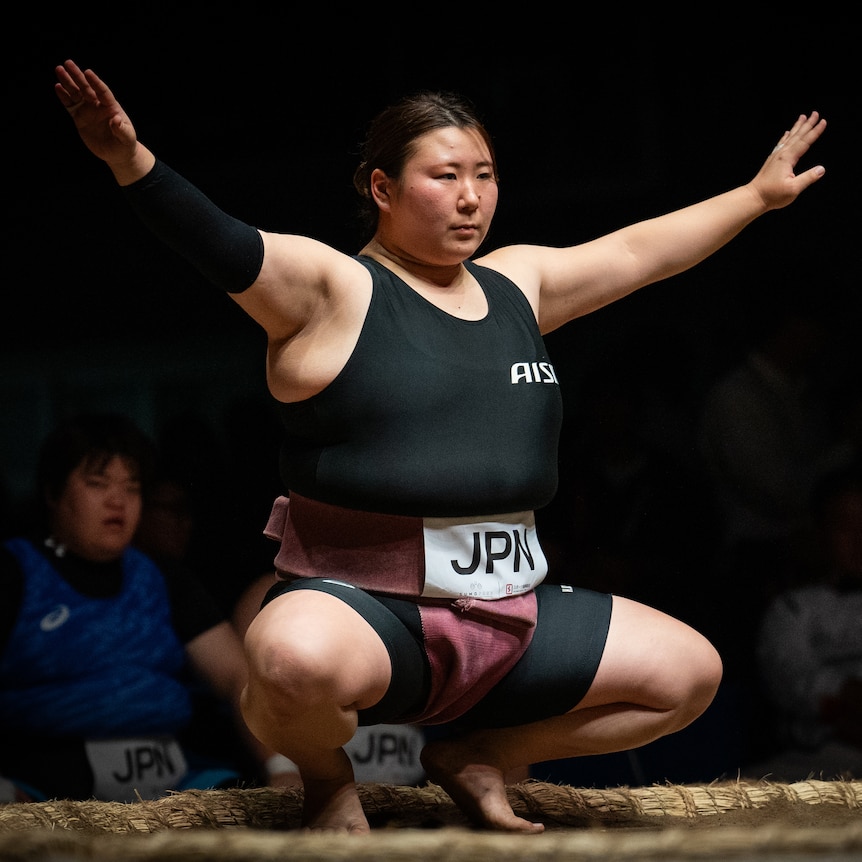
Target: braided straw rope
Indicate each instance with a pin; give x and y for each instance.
(658, 822)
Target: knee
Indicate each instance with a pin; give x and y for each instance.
(701, 680)
(287, 675)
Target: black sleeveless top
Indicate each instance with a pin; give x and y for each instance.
(432, 416)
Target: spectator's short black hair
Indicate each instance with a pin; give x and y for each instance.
(93, 438)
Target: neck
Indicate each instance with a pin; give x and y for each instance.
(436, 275)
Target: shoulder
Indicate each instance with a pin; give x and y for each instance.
(518, 264)
(378, 272)
(135, 558)
(488, 274)
(533, 268)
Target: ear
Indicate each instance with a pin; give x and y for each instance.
(380, 185)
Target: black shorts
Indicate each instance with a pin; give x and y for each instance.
(550, 679)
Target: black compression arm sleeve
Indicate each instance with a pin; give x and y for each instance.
(227, 251)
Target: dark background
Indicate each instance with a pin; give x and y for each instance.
(600, 118)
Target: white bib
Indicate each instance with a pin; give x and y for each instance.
(387, 754)
(482, 559)
(125, 768)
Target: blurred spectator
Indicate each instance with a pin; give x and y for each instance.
(764, 431)
(167, 520)
(766, 436)
(100, 646)
(809, 647)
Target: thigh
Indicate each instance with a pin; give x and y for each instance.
(650, 658)
(559, 666)
(396, 624)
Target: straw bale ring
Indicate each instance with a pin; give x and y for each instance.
(727, 820)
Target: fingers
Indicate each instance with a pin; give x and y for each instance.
(806, 178)
(65, 88)
(777, 182)
(811, 128)
(805, 124)
(99, 87)
(795, 142)
(806, 130)
(72, 87)
(71, 77)
(75, 86)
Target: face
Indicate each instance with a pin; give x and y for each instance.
(98, 511)
(440, 210)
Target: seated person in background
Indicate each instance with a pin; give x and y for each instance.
(380, 753)
(167, 520)
(100, 647)
(809, 648)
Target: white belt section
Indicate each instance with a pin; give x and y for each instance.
(482, 558)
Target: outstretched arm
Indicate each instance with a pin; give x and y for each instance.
(567, 283)
(227, 251)
(281, 286)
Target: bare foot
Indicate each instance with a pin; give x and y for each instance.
(333, 806)
(478, 789)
